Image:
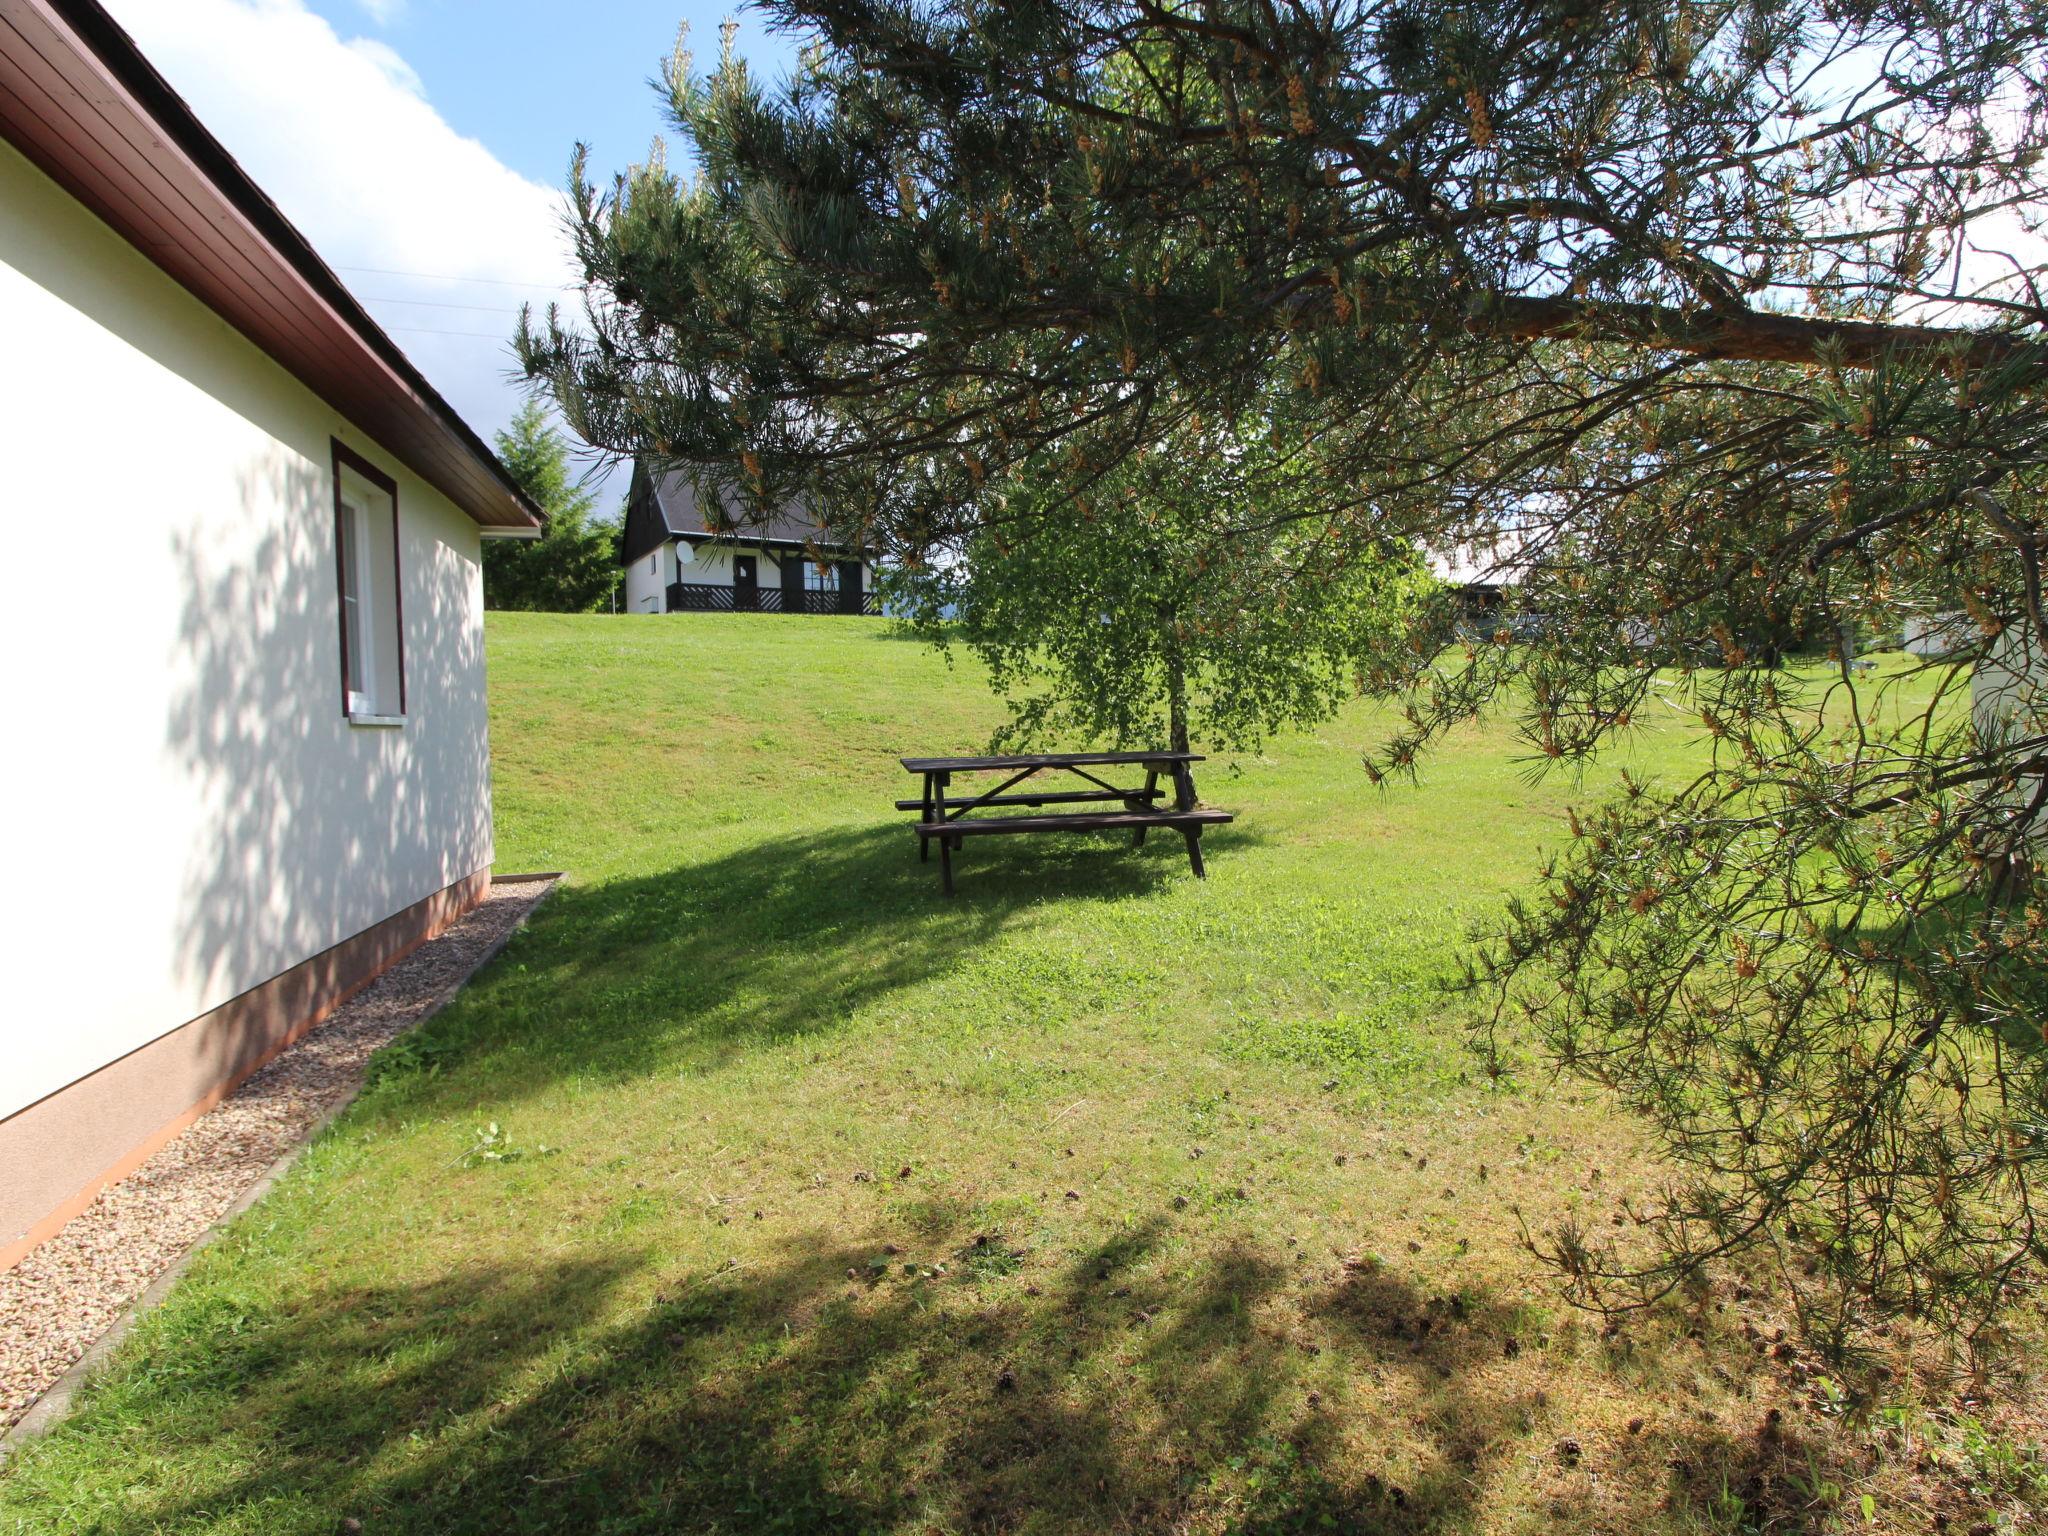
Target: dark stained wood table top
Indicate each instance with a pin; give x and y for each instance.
(1044, 760)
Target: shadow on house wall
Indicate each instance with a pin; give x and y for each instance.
(197, 817)
(292, 823)
(306, 829)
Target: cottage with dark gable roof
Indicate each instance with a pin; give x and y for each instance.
(678, 562)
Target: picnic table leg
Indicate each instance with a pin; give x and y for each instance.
(1194, 838)
(1151, 783)
(939, 782)
(1183, 787)
(924, 844)
(946, 863)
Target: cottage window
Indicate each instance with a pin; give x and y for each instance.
(821, 577)
(366, 572)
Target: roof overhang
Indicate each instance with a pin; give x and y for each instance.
(79, 100)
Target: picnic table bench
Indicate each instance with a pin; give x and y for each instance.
(950, 819)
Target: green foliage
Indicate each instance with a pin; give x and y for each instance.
(573, 566)
(1153, 611)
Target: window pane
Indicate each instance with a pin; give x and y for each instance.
(348, 532)
(366, 554)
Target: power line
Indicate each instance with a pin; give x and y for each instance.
(482, 309)
(427, 330)
(444, 277)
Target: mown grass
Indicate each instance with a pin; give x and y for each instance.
(1097, 1199)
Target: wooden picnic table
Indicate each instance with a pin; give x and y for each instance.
(950, 818)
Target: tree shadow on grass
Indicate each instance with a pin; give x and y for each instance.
(1134, 1387)
(786, 937)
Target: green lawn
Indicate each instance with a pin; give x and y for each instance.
(1096, 1199)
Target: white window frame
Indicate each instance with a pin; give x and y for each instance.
(358, 582)
(369, 587)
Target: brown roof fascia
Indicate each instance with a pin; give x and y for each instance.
(79, 100)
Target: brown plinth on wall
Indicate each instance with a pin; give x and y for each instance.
(61, 1151)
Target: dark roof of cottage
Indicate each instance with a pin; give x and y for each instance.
(684, 513)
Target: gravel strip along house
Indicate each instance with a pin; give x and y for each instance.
(253, 768)
(59, 1301)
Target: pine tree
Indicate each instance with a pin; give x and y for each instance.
(1724, 317)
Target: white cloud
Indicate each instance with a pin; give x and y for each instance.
(393, 64)
(340, 133)
(383, 12)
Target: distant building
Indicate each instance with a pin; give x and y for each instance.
(2009, 707)
(1482, 577)
(1934, 636)
(675, 563)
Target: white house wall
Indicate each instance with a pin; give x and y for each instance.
(1937, 635)
(2009, 703)
(712, 564)
(708, 564)
(191, 813)
(647, 580)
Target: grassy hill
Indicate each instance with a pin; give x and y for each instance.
(1097, 1198)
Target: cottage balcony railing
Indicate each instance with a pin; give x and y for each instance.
(705, 597)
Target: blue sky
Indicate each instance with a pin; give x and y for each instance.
(531, 77)
(422, 146)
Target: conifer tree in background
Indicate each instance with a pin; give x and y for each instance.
(1726, 317)
(573, 566)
